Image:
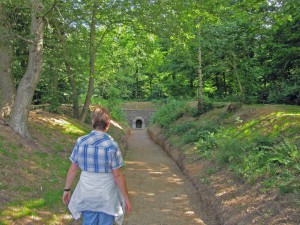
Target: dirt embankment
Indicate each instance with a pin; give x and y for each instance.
(159, 193)
(230, 200)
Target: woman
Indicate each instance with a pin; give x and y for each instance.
(101, 193)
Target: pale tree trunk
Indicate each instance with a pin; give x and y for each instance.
(136, 82)
(70, 72)
(28, 83)
(74, 90)
(234, 67)
(200, 82)
(200, 75)
(53, 89)
(90, 91)
(7, 86)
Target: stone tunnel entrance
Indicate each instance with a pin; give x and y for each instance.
(138, 122)
(138, 119)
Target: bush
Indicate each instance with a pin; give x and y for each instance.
(207, 106)
(113, 106)
(170, 112)
(254, 150)
(275, 160)
(278, 164)
(285, 93)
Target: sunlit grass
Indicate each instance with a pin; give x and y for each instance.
(32, 210)
(256, 142)
(18, 210)
(40, 176)
(33, 173)
(272, 124)
(67, 127)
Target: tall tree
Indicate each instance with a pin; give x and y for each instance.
(90, 90)
(27, 86)
(73, 83)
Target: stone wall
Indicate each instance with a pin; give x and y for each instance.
(138, 118)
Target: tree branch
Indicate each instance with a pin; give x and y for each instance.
(51, 8)
(16, 36)
(102, 37)
(27, 40)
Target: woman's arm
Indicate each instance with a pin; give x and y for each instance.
(121, 183)
(70, 177)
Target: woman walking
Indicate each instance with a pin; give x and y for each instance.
(101, 195)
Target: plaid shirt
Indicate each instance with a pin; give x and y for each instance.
(97, 152)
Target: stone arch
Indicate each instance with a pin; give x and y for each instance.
(138, 122)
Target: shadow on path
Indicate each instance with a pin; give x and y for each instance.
(159, 192)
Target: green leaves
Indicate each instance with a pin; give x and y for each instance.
(149, 49)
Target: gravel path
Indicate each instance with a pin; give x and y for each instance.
(159, 192)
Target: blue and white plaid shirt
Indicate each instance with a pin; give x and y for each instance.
(97, 152)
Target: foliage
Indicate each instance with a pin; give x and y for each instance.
(254, 151)
(250, 51)
(284, 92)
(207, 106)
(261, 148)
(114, 108)
(171, 112)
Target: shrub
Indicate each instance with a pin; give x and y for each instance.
(285, 93)
(207, 106)
(169, 113)
(113, 106)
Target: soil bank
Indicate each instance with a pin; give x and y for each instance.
(230, 200)
(159, 191)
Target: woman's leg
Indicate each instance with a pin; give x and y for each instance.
(105, 219)
(97, 218)
(90, 218)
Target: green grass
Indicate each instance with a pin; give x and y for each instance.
(33, 173)
(34, 177)
(20, 209)
(257, 142)
(44, 195)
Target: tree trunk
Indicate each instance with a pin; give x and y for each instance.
(237, 78)
(53, 90)
(70, 72)
(27, 86)
(90, 91)
(200, 82)
(7, 86)
(218, 84)
(74, 90)
(224, 83)
(136, 94)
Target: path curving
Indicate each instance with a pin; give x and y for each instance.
(159, 192)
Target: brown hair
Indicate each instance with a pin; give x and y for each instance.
(100, 117)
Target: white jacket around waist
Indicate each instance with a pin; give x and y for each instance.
(97, 192)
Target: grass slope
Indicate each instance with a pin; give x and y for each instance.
(248, 157)
(33, 172)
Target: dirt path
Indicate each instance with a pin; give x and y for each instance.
(160, 193)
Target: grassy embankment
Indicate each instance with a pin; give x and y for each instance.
(33, 173)
(258, 143)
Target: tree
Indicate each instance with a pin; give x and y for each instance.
(61, 31)
(28, 83)
(90, 90)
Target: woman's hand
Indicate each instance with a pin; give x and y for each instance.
(127, 206)
(70, 177)
(66, 197)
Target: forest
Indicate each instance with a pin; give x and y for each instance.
(224, 74)
(79, 52)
